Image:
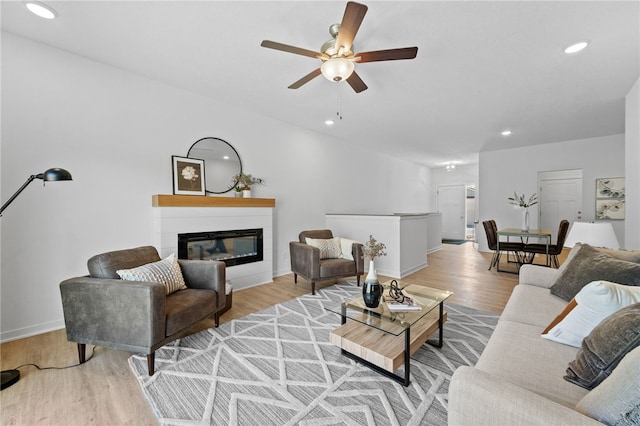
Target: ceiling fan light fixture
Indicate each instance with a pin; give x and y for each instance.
(337, 69)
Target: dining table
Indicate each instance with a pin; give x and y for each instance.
(522, 257)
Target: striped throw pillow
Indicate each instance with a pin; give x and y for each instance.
(329, 247)
(166, 271)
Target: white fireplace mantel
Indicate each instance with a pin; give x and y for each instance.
(177, 214)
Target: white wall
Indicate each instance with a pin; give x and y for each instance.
(632, 161)
(504, 171)
(116, 132)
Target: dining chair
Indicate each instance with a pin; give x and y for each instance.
(554, 249)
(491, 229)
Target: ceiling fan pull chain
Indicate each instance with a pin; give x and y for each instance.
(339, 101)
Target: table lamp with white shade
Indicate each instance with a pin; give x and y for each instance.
(599, 234)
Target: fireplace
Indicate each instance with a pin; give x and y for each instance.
(234, 247)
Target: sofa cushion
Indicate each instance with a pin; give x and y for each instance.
(329, 247)
(532, 305)
(616, 401)
(516, 354)
(185, 307)
(588, 265)
(596, 301)
(166, 271)
(337, 268)
(605, 346)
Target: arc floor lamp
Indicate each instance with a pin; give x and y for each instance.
(9, 377)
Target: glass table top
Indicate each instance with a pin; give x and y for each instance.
(384, 319)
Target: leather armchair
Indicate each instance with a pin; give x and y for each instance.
(101, 309)
(306, 262)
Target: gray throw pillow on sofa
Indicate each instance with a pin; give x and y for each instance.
(605, 346)
(590, 264)
(616, 401)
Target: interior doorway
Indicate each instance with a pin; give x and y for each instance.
(471, 218)
(452, 205)
(560, 194)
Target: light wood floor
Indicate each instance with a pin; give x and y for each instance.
(104, 391)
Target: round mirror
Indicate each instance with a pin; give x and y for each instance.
(222, 163)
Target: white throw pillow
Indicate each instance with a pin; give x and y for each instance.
(596, 301)
(166, 271)
(329, 247)
(346, 246)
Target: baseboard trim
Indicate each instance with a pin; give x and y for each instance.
(21, 333)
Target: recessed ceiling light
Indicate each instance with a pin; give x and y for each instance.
(329, 122)
(575, 48)
(506, 132)
(41, 9)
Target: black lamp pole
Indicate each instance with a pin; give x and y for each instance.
(9, 377)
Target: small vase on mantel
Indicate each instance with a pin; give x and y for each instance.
(371, 289)
(525, 220)
(246, 193)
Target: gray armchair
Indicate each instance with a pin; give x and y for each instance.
(101, 309)
(306, 262)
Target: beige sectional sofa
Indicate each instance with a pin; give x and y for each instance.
(518, 379)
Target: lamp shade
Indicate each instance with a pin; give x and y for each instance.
(49, 175)
(55, 174)
(337, 69)
(594, 234)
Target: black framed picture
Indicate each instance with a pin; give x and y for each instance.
(188, 176)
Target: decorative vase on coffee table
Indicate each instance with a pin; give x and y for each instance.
(371, 289)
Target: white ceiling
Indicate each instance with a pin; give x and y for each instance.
(481, 66)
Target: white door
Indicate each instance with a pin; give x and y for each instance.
(560, 198)
(452, 204)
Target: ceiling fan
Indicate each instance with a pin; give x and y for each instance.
(337, 54)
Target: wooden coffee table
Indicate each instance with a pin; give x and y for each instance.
(384, 340)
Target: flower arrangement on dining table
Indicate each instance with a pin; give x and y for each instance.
(520, 200)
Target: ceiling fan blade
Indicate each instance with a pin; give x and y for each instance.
(388, 55)
(356, 83)
(307, 78)
(351, 20)
(291, 49)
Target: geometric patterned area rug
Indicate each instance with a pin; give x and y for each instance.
(277, 367)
